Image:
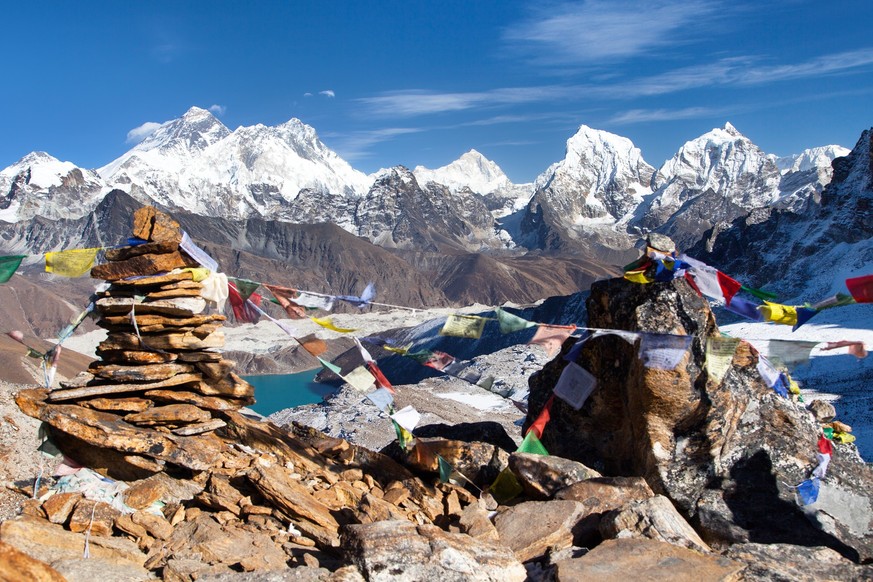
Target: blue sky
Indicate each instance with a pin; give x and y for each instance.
(405, 82)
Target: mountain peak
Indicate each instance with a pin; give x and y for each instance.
(728, 127)
(197, 113)
(472, 170)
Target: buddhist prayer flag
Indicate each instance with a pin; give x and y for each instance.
(198, 254)
(759, 293)
(628, 336)
(331, 367)
(432, 359)
(768, 371)
(328, 324)
(407, 417)
(505, 486)
(197, 273)
(244, 287)
(531, 444)
(856, 348)
(784, 314)
(712, 282)
(312, 301)
(360, 379)
(72, 263)
(244, 309)
(543, 419)
(366, 297)
(838, 300)
(575, 385)
(468, 326)
(552, 337)
(285, 297)
(804, 314)
(573, 353)
(745, 308)
(510, 323)
(215, 289)
(638, 276)
(788, 353)
(824, 459)
(404, 437)
(808, 491)
(382, 398)
(719, 355)
(312, 344)
(663, 351)
(8, 266)
(861, 288)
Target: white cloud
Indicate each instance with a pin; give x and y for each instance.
(355, 145)
(328, 93)
(218, 109)
(307, 94)
(644, 115)
(592, 31)
(137, 134)
(418, 102)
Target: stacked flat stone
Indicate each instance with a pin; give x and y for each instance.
(159, 367)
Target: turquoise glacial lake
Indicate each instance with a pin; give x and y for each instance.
(276, 392)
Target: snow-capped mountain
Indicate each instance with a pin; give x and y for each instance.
(196, 164)
(805, 175)
(41, 185)
(472, 170)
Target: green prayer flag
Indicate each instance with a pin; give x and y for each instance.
(510, 322)
(828, 432)
(8, 266)
(505, 487)
(332, 367)
(245, 287)
(403, 435)
(531, 444)
(445, 469)
(760, 294)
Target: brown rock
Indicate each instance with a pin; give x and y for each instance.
(153, 225)
(231, 386)
(606, 493)
(200, 356)
(94, 516)
(75, 393)
(31, 401)
(169, 414)
(32, 508)
(532, 528)
(123, 253)
(156, 526)
(106, 430)
(146, 373)
(178, 307)
(183, 340)
(16, 566)
(141, 265)
(296, 501)
(655, 518)
(216, 370)
(477, 461)
(146, 320)
(160, 487)
(59, 506)
(184, 397)
(789, 562)
(542, 476)
(373, 509)
(119, 404)
(134, 357)
(475, 522)
(163, 294)
(646, 560)
(219, 494)
(822, 411)
(428, 553)
(200, 428)
(126, 524)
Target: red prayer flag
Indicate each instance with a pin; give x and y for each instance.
(539, 425)
(381, 380)
(284, 296)
(729, 287)
(242, 311)
(861, 288)
(825, 446)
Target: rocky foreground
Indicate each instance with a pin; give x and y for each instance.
(161, 474)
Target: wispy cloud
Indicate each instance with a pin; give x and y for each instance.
(644, 115)
(217, 109)
(596, 30)
(327, 93)
(137, 134)
(418, 102)
(357, 145)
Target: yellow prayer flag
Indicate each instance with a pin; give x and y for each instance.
(327, 323)
(402, 350)
(360, 379)
(784, 314)
(637, 277)
(72, 263)
(719, 355)
(468, 326)
(198, 273)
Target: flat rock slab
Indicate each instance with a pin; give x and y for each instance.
(790, 562)
(144, 373)
(655, 518)
(16, 565)
(134, 357)
(185, 397)
(532, 528)
(119, 404)
(646, 560)
(170, 414)
(192, 429)
(142, 265)
(102, 389)
(153, 280)
(606, 493)
(104, 430)
(400, 550)
(542, 476)
(178, 307)
(156, 248)
(146, 320)
(172, 341)
(151, 224)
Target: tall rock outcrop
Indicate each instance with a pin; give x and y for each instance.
(728, 453)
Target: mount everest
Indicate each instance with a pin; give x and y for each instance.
(595, 203)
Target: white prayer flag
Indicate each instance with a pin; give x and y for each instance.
(575, 385)
(407, 417)
(663, 351)
(360, 379)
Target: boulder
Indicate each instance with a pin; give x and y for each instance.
(643, 559)
(780, 562)
(542, 476)
(654, 518)
(400, 550)
(695, 438)
(533, 528)
(16, 565)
